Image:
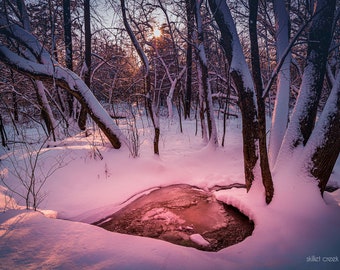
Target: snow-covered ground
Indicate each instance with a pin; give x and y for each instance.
(298, 230)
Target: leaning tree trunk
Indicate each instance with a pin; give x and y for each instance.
(46, 111)
(41, 66)
(303, 118)
(256, 69)
(240, 74)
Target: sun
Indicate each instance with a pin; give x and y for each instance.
(157, 32)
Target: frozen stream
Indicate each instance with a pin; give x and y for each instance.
(183, 215)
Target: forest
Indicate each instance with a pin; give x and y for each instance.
(98, 87)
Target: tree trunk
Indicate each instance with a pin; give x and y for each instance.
(23, 15)
(190, 29)
(201, 103)
(48, 70)
(54, 52)
(240, 74)
(14, 99)
(322, 150)
(281, 106)
(256, 69)
(151, 104)
(87, 75)
(68, 47)
(46, 111)
(3, 133)
(202, 58)
(304, 115)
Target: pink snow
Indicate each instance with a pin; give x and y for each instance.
(296, 226)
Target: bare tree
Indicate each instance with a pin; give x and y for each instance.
(304, 115)
(46, 110)
(87, 65)
(203, 62)
(241, 76)
(152, 102)
(68, 47)
(261, 109)
(189, 62)
(302, 123)
(39, 65)
(29, 171)
(320, 143)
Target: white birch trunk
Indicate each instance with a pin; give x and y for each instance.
(47, 108)
(281, 106)
(213, 138)
(303, 117)
(172, 90)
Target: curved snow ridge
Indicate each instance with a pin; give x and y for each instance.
(96, 214)
(236, 198)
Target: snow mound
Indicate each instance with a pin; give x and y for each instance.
(198, 239)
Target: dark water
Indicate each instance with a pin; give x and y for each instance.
(175, 212)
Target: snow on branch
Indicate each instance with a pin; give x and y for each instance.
(45, 69)
(24, 38)
(284, 55)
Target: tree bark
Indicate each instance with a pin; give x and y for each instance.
(46, 111)
(322, 150)
(68, 47)
(202, 59)
(201, 103)
(256, 70)
(151, 103)
(304, 115)
(14, 99)
(87, 75)
(44, 68)
(190, 29)
(3, 133)
(240, 74)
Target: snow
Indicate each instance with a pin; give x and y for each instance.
(53, 71)
(198, 239)
(293, 132)
(325, 120)
(163, 214)
(238, 62)
(293, 232)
